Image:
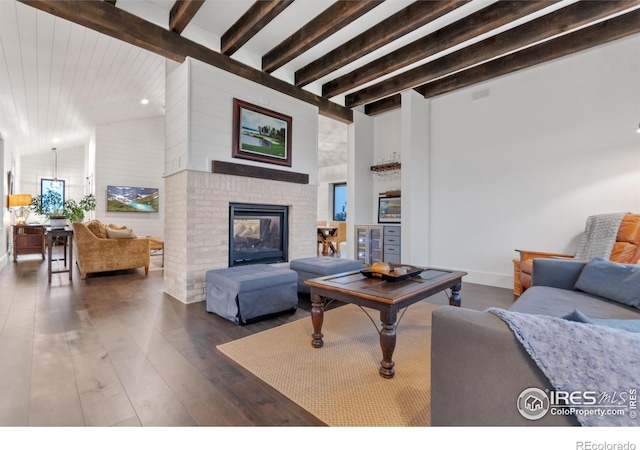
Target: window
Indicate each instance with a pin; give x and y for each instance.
(340, 202)
(52, 197)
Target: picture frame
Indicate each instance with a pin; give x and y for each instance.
(260, 134)
(389, 209)
(133, 199)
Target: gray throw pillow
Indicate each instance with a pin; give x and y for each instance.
(617, 282)
(632, 325)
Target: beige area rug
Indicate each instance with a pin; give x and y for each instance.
(339, 383)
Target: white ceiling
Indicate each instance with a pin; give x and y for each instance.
(59, 80)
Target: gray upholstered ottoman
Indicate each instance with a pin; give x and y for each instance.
(244, 293)
(321, 266)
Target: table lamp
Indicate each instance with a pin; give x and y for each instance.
(19, 203)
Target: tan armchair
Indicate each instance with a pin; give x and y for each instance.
(626, 249)
(103, 254)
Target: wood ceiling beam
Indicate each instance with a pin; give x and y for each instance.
(127, 27)
(383, 105)
(330, 21)
(181, 14)
(609, 30)
(257, 17)
(404, 21)
(547, 26)
(482, 21)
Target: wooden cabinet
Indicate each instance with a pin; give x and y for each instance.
(28, 240)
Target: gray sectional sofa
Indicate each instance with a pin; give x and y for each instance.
(478, 366)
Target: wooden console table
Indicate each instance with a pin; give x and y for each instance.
(28, 240)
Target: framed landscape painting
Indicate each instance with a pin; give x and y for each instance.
(260, 134)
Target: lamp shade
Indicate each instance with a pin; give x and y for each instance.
(18, 200)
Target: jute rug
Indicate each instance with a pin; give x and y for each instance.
(339, 383)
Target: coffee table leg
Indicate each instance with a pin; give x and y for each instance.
(317, 317)
(455, 299)
(387, 343)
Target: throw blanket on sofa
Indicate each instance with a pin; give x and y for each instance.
(582, 357)
(599, 236)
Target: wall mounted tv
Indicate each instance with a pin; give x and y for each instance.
(132, 199)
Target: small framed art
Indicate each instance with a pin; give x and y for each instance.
(260, 134)
(389, 209)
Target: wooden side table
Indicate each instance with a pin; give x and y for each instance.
(67, 238)
(28, 240)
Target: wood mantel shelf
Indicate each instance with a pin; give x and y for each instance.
(243, 170)
(386, 167)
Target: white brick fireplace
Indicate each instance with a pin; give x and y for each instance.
(197, 224)
(198, 131)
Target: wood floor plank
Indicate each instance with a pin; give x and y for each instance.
(57, 409)
(206, 404)
(16, 349)
(52, 370)
(103, 398)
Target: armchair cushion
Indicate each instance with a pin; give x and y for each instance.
(97, 228)
(125, 233)
(618, 282)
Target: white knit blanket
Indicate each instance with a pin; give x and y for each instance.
(582, 357)
(599, 236)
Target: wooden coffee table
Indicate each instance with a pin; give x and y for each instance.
(388, 297)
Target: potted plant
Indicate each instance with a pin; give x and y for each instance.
(62, 211)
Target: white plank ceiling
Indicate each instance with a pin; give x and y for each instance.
(59, 80)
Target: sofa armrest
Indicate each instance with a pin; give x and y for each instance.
(478, 371)
(558, 273)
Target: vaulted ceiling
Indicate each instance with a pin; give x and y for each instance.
(338, 55)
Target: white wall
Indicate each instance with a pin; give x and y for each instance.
(131, 154)
(524, 165)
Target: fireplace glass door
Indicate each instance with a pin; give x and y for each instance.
(257, 234)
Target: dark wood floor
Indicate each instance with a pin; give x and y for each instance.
(114, 350)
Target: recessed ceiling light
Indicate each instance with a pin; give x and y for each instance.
(144, 101)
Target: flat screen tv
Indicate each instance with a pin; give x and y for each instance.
(132, 199)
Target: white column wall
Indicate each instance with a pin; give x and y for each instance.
(415, 135)
(360, 204)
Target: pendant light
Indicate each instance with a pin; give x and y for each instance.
(55, 183)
